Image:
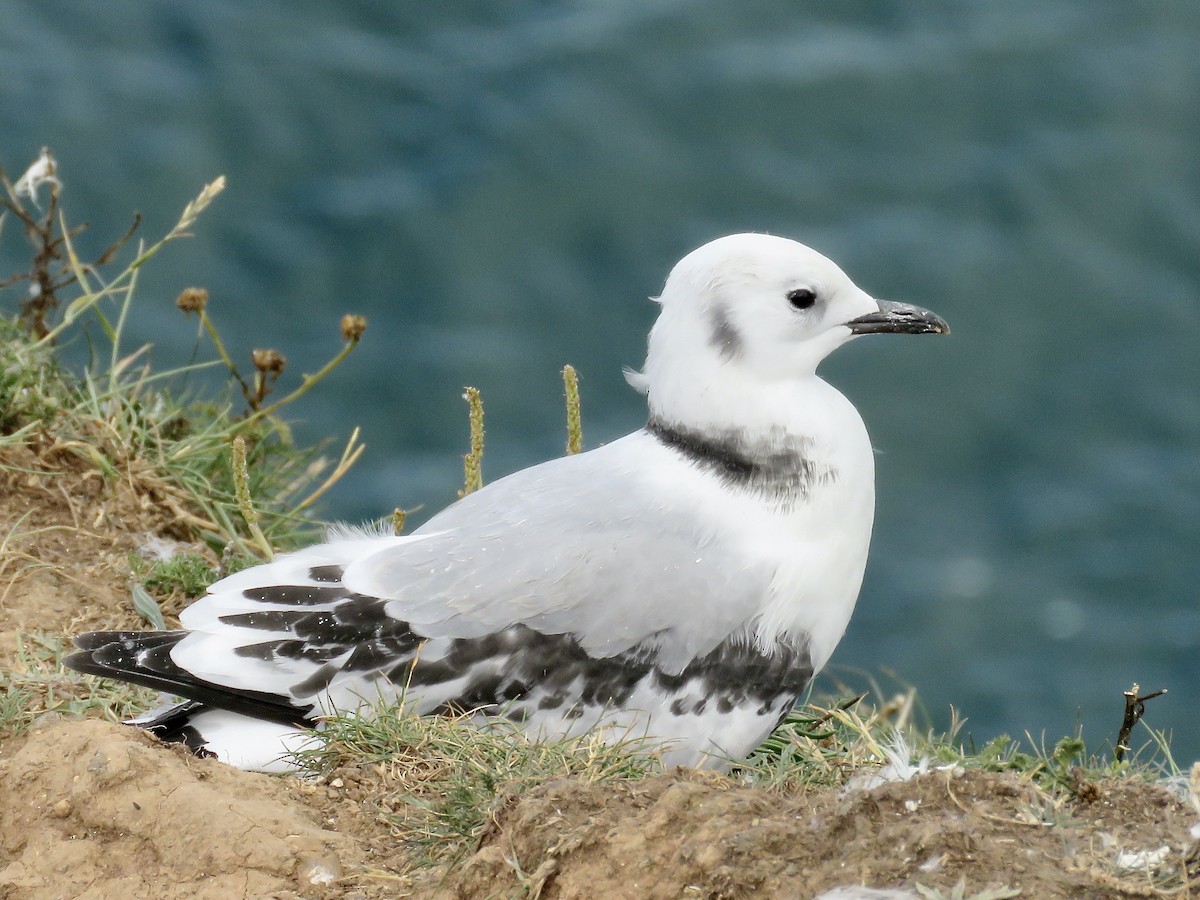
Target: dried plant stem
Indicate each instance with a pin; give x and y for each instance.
(306, 384)
(219, 346)
(192, 211)
(1135, 708)
(241, 488)
(473, 461)
(574, 415)
(349, 457)
(91, 297)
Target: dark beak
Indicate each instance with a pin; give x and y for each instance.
(899, 318)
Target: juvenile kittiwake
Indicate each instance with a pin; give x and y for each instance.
(680, 584)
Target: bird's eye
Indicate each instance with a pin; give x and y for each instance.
(802, 298)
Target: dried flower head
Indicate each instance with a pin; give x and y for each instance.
(44, 170)
(268, 361)
(353, 326)
(192, 299)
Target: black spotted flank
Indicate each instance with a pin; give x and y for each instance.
(739, 674)
(554, 672)
(775, 466)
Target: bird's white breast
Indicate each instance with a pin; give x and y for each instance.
(816, 546)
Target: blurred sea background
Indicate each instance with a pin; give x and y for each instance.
(499, 187)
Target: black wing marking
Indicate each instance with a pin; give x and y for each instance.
(173, 725)
(144, 657)
(338, 632)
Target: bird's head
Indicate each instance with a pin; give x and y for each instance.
(763, 308)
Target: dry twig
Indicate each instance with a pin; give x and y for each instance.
(1135, 708)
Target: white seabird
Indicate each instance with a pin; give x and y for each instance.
(682, 584)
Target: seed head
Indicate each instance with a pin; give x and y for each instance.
(43, 171)
(268, 361)
(192, 299)
(353, 326)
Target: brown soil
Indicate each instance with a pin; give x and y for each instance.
(65, 537)
(99, 810)
(684, 834)
(96, 810)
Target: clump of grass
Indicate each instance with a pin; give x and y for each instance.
(186, 575)
(819, 746)
(135, 425)
(32, 388)
(169, 584)
(827, 743)
(439, 779)
(189, 574)
(36, 685)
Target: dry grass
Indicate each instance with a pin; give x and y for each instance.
(138, 426)
(437, 780)
(35, 685)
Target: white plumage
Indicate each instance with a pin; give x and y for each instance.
(682, 583)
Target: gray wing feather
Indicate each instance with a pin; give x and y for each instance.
(583, 545)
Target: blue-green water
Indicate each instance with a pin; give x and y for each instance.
(499, 186)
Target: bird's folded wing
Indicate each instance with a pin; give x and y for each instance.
(614, 546)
